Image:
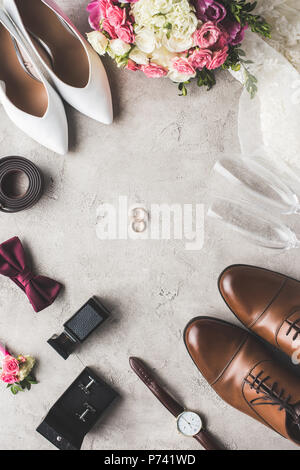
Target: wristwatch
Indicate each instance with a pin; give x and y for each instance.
(188, 422)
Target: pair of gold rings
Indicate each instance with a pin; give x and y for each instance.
(139, 217)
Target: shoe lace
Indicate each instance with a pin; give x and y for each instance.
(271, 395)
(294, 326)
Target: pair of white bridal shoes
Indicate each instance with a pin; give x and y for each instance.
(34, 32)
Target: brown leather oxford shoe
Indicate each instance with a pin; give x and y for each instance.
(241, 370)
(266, 302)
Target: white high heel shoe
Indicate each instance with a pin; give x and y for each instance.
(74, 67)
(28, 99)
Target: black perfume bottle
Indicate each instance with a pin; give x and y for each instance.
(77, 410)
(77, 329)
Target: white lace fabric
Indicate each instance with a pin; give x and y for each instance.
(270, 123)
(284, 16)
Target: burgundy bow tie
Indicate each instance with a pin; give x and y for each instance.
(40, 290)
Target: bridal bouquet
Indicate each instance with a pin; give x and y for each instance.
(15, 371)
(178, 39)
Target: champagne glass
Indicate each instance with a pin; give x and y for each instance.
(258, 229)
(260, 182)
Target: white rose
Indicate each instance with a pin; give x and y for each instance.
(138, 56)
(145, 40)
(179, 78)
(98, 41)
(163, 57)
(118, 47)
(145, 10)
(174, 44)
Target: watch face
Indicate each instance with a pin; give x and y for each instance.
(189, 423)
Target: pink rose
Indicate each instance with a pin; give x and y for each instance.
(153, 70)
(222, 41)
(131, 65)
(10, 365)
(115, 15)
(125, 33)
(218, 59)
(200, 58)
(183, 66)
(97, 11)
(103, 6)
(207, 35)
(106, 26)
(95, 15)
(8, 378)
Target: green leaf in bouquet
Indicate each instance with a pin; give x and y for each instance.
(250, 83)
(182, 88)
(31, 380)
(236, 67)
(250, 7)
(23, 384)
(15, 388)
(233, 59)
(236, 59)
(240, 10)
(122, 60)
(206, 78)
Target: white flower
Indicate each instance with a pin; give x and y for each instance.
(118, 47)
(138, 56)
(178, 45)
(26, 367)
(145, 40)
(110, 52)
(98, 41)
(179, 78)
(171, 22)
(163, 57)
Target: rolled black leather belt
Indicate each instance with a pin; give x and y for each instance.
(9, 167)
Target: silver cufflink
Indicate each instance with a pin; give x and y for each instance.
(85, 388)
(84, 415)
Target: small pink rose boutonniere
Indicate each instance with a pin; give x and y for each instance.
(16, 372)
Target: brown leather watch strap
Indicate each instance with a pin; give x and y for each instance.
(144, 373)
(206, 440)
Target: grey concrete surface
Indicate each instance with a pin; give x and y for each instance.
(160, 149)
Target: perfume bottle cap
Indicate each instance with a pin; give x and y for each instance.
(77, 329)
(63, 344)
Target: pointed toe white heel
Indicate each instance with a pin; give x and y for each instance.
(74, 67)
(28, 99)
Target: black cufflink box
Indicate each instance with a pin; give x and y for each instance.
(79, 327)
(76, 411)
